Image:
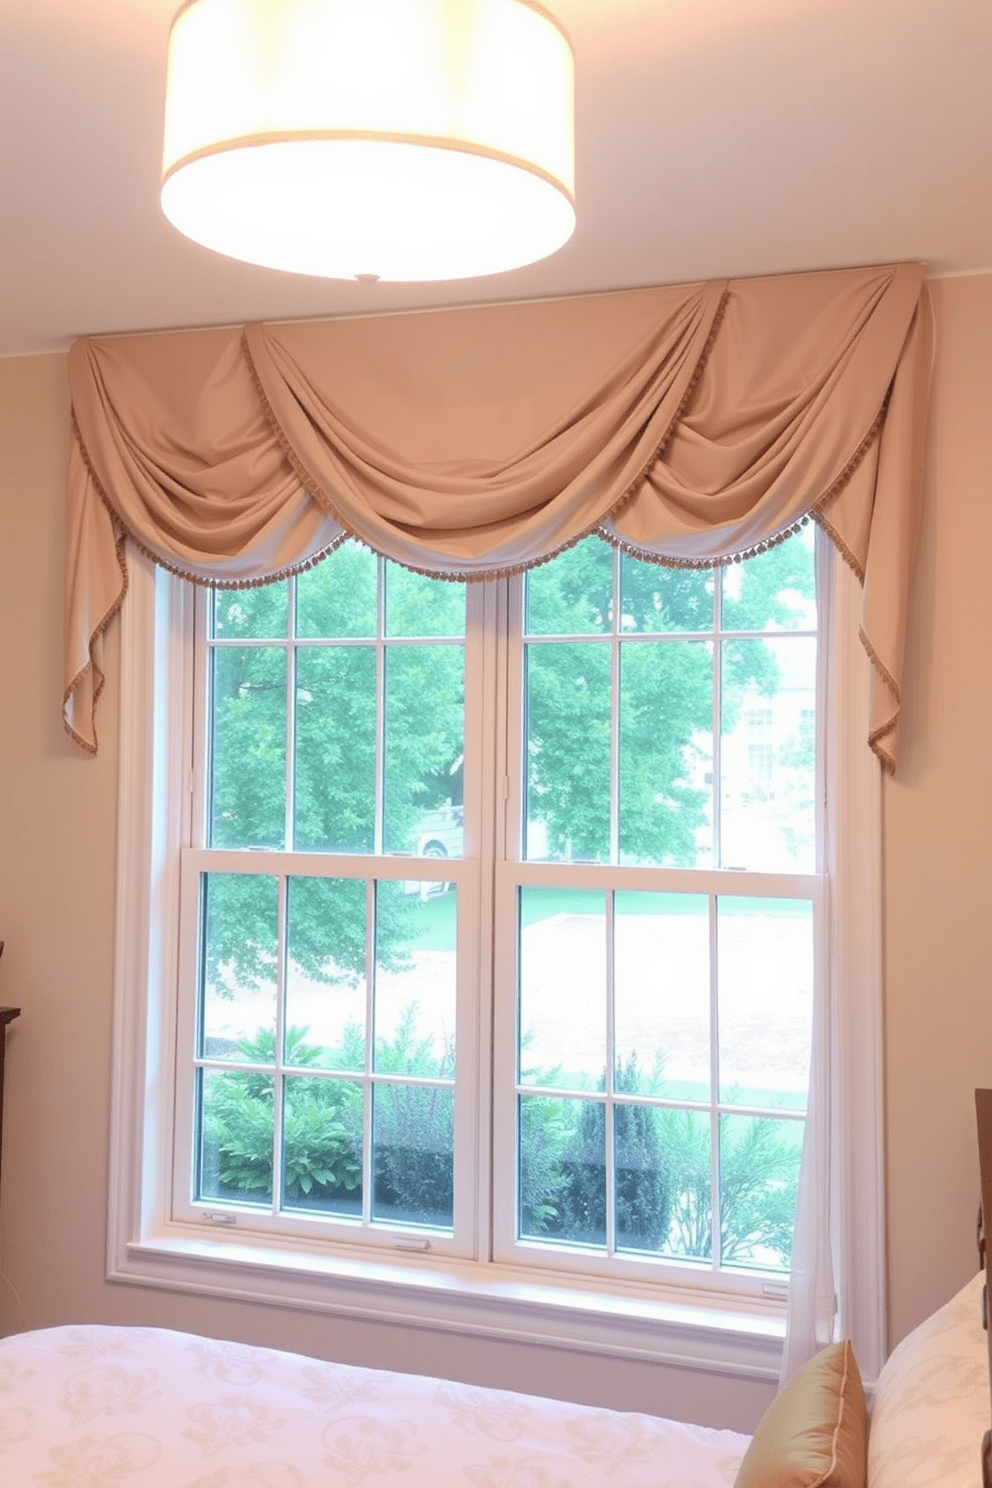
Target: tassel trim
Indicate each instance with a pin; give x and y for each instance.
(817, 512)
(178, 569)
(314, 489)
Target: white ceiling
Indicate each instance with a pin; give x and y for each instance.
(714, 137)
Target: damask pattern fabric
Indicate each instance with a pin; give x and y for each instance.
(931, 1406)
(99, 1407)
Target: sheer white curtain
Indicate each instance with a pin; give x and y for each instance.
(839, 1229)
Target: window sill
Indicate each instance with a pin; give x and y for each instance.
(691, 1330)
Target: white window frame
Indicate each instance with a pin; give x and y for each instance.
(514, 871)
(463, 871)
(682, 1325)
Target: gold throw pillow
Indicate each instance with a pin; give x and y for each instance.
(815, 1433)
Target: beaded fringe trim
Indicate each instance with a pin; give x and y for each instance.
(313, 487)
(817, 513)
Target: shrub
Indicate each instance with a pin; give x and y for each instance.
(322, 1127)
(759, 1178)
(662, 1156)
(414, 1128)
(643, 1175)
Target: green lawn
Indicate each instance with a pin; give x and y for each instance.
(435, 917)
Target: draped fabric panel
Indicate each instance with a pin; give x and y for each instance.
(691, 425)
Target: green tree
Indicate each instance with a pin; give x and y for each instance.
(643, 1179)
(665, 712)
(665, 697)
(759, 1178)
(664, 708)
(665, 703)
(334, 718)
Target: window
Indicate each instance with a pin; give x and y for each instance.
(329, 987)
(658, 1125)
(578, 1057)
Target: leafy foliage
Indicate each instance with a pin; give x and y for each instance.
(333, 808)
(573, 1204)
(759, 1179)
(414, 1129)
(662, 1156)
(665, 710)
(662, 1201)
(663, 1194)
(413, 1169)
(665, 703)
(322, 1128)
(665, 698)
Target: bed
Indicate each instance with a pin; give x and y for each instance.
(103, 1407)
(100, 1407)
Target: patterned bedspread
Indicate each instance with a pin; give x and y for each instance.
(96, 1407)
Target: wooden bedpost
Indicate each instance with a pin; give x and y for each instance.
(983, 1112)
(7, 1015)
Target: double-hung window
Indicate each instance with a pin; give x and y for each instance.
(493, 941)
(469, 939)
(329, 982)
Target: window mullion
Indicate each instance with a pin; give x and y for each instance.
(370, 911)
(615, 679)
(717, 809)
(195, 800)
(609, 1081)
(567, 978)
(380, 705)
(290, 831)
(282, 948)
(716, 799)
(715, 1207)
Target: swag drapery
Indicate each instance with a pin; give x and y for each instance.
(691, 425)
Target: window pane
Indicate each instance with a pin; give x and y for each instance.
(334, 807)
(415, 981)
(769, 755)
(238, 978)
(325, 974)
(248, 755)
(655, 599)
(662, 995)
(235, 1129)
(643, 1178)
(562, 965)
(666, 753)
(687, 1158)
(322, 1145)
(568, 752)
(251, 614)
(337, 597)
(413, 1154)
(425, 744)
(420, 606)
(775, 590)
(573, 594)
(759, 1179)
(765, 958)
(562, 1170)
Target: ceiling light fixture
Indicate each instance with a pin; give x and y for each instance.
(371, 139)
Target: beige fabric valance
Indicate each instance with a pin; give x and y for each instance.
(690, 424)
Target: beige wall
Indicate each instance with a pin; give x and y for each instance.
(938, 837)
(57, 844)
